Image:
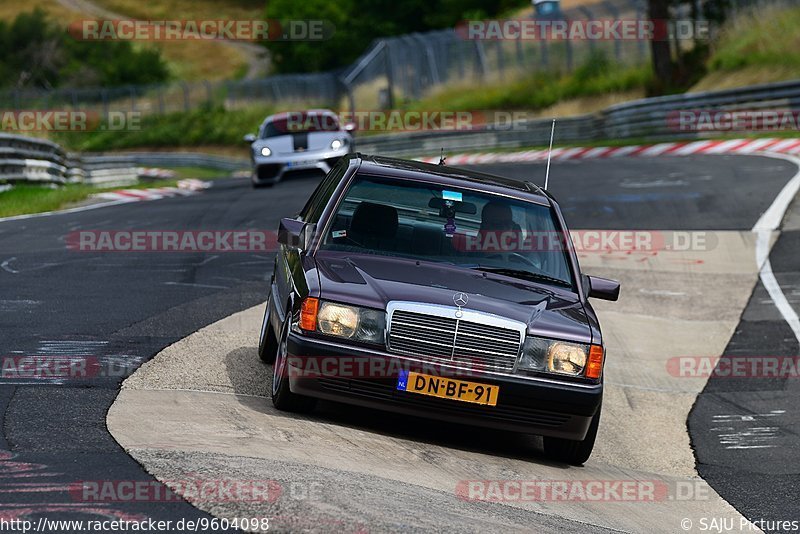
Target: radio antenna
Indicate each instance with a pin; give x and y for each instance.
(549, 151)
(442, 158)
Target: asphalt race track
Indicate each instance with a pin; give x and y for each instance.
(122, 309)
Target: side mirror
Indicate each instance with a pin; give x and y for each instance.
(350, 127)
(602, 288)
(294, 233)
(249, 138)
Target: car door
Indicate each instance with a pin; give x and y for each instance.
(291, 285)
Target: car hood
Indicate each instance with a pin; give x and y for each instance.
(374, 281)
(308, 141)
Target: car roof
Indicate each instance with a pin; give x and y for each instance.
(453, 176)
(285, 114)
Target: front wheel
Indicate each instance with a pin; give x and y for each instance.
(282, 397)
(570, 451)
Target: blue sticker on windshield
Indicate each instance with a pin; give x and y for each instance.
(451, 195)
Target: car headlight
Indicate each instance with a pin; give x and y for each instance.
(566, 358)
(351, 322)
(266, 152)
(336, 144)
(561, 357)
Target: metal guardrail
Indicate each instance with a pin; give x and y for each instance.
(36, 160)
(31, 160)
(27, 159)
(530, 133)
(648, 119)
(163, 159)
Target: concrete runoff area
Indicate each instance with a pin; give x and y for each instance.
(201, 408)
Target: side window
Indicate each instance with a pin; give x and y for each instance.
(319, 199)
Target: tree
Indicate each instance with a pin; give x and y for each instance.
(36, 52)
(358, 22)
(658, 11)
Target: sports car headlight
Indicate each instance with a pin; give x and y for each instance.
(561, 357)
(336, 144)
(351, 322)
(266, 152)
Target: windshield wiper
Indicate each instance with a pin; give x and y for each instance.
(525, 275)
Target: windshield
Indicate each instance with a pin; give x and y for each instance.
(429, 222)
(293, 123)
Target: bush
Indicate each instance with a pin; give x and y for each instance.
(45, 56)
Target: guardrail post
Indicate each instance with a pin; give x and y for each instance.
(617, 43)
(387, 51)
(187, 105)
(161, 102)
(544, 57)
(568, 50)
(480, 56)
(209, 91)
(104, 96)
(640, 43)
(460, 60)
(589, 16)
(500, 59)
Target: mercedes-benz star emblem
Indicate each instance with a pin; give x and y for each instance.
(460, 300)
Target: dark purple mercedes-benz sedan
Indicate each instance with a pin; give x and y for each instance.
(437, 292)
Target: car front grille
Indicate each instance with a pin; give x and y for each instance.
(507, 411)
(463, 342)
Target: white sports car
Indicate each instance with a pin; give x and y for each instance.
(298, 141)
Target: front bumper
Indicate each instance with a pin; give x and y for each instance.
(533, 406)
(273, 168)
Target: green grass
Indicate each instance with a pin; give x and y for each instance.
(205, 126)
(27, 198)
(200, 173)
(766, 38)
(538, 91)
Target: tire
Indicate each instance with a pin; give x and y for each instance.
(282, 397)
(573, 452)
(267, 342)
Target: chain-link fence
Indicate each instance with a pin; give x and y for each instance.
(392, 70)
(312, 89)
(406, 67)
